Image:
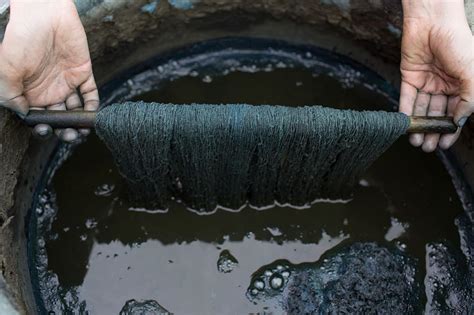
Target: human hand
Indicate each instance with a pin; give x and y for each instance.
(45, 62)
(437, 66)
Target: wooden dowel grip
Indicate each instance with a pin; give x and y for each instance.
(86, 119)
(422, 124)
(61, 119)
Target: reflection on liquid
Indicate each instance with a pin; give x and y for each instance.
(111, 252)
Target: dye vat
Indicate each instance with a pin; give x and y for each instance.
(395, 247)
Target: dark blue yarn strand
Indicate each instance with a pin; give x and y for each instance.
(230, 155)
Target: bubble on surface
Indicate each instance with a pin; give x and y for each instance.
(276, 282)
(46, 207)
(91, 223)
(259, 284)
(148, 307)
(285, 274)
(41, 242)
(39, 211)
(207, 79)
(348, 77)
(104, 190)
(466, 235)
(448, 290)
(274, 231)
(269, 280)
(226, 262)
(361, 278)
(401, 246)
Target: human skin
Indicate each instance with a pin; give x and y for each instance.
(45, 61)
(437, 66)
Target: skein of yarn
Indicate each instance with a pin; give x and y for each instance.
(226, 156)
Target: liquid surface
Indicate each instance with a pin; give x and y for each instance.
(101, 252)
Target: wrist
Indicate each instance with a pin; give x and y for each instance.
(433, 9)
(44, 11)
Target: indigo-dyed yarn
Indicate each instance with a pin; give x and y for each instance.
(230, 155)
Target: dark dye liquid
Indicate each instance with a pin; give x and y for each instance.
(101, 252)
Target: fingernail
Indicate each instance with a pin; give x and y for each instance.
(416, 140)
(462, 121)
(42, 131)
(69, 135)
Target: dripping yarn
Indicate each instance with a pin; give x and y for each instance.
(228, 156)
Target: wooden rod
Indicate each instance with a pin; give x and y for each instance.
(86, 119)
(425, 124)
(61, 118)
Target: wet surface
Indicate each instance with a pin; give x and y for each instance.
(97, 252)
(359, 279)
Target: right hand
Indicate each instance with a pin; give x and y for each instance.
(45, 61)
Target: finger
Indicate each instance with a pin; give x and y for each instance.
(90, 94)
(11, 88)
(73, 102)
(408, 95)
(463, 111)
(437, 108)
(466, 106)
(84, 132)
(60, 106)
(69, 135)
(420, 109)
(42, 131)
(448, 140)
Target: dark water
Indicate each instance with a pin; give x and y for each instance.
(102, 252)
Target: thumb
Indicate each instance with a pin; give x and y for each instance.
(11, 90)
(465, 107)
(11, 97)
(17, 104)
